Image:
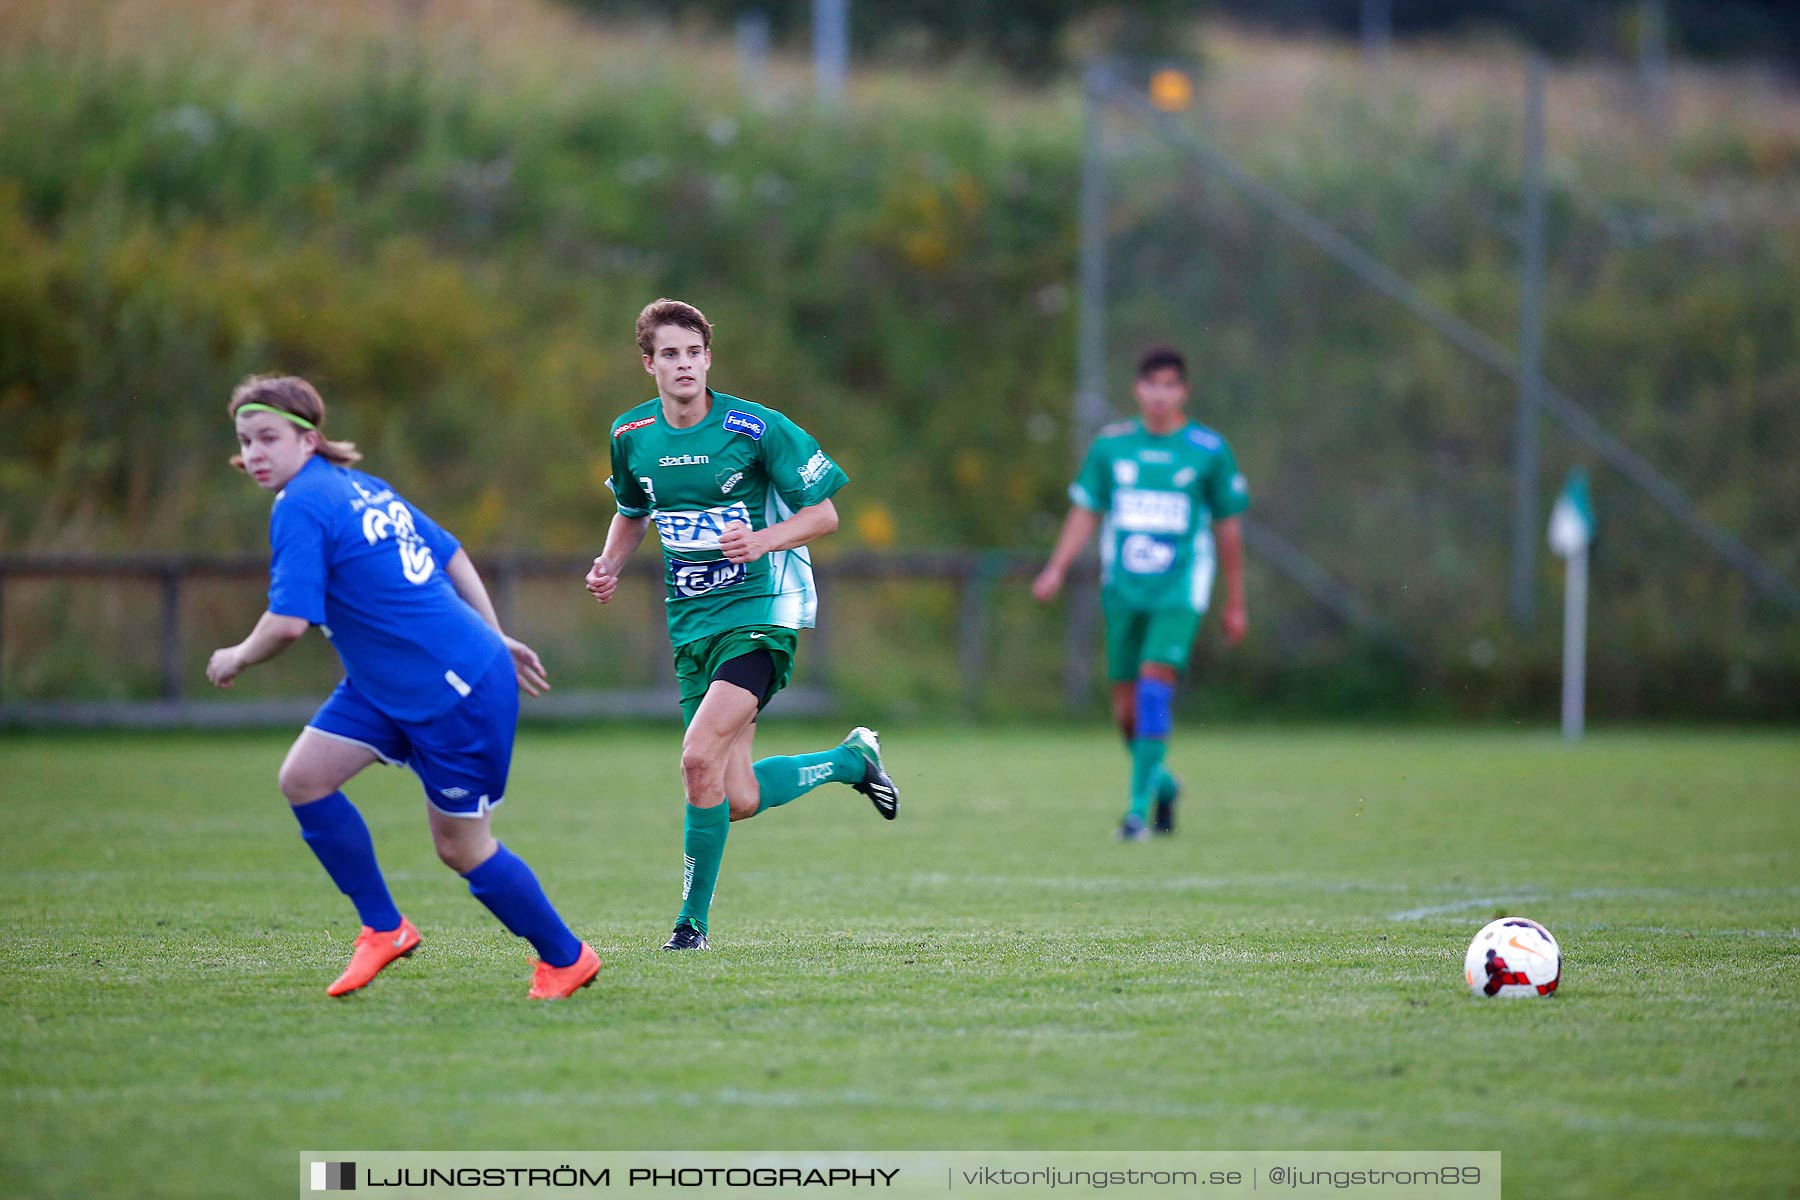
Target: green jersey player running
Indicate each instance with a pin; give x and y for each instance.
(1164, 492)
(737, 491)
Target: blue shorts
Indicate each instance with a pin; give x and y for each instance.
(461, 756)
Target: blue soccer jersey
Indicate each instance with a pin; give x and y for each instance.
(352, 557)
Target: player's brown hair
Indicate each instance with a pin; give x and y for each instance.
(671, 312)
(1157, 358)
(291, 394)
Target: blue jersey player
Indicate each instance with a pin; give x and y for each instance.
(430, 681)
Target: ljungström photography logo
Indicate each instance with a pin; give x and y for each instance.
(334, 1177)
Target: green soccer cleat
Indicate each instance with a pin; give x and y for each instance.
(875, 784)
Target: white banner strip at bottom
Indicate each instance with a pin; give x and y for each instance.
(964, 1174)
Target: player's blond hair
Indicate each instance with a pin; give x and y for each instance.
(292, 394)
(662, 312)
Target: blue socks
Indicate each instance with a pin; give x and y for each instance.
(1155, 717)
(1155, 708)
(337, 835)
(335, 832)
(512, 893)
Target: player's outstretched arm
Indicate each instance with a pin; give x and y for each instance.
(1077, 528)
(467, 581)
(1234, 622)
(273, 634)
(623, 536)
(741, 544)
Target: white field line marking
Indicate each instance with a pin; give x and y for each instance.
(1535, 894)
(1103, 883)
(1112, 883)
(1456, 906)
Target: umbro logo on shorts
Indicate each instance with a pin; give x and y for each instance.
(453, 793)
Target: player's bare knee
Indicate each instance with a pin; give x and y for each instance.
(1161, 672)
(462, 852)
(743, 807)
(700, 769)
(300, 786)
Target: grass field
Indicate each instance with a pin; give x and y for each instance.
(989, 972)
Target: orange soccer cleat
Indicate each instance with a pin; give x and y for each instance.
(374, 950)
(559, 983)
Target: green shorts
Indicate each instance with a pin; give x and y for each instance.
(1138, 636)
(696, 661)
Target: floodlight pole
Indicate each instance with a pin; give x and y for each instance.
(1531, 354)
(1377, 33)
(1090, 362)
(831, 50)
(1653, 63)
(753, 52)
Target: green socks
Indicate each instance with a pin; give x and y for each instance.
(1147, 773)
(702, 845)
(785, 777)
(781, 778)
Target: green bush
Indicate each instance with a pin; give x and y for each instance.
(452, 233)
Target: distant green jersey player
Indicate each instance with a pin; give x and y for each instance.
(736, 491)
(1164, 493)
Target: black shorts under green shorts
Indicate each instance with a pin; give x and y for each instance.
(696, 661)
(1156, 635)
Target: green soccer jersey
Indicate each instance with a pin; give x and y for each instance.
(1158, 497)
(742, 462)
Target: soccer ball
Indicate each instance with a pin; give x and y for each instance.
(1513, 957)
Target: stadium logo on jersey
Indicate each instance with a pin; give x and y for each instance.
(684, 460)
(738, 421)
(816, 468)
(1155, 456)
(1205, 437)
(699, 578)
(728, 479)
(1144, 511)
(698, 529)
(1142, 554)
(397, 523)
(1125, 472)
(631, 425)
(1185, 476)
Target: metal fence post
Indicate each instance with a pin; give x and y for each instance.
(1090, 355)
(171, 630)
(974, 581)
(506, 587)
